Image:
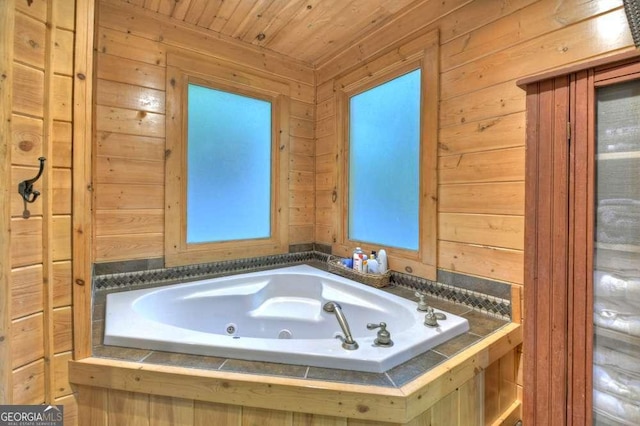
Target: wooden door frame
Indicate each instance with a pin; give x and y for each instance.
(546, 256)
(579, 307)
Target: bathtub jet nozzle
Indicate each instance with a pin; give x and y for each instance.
(347, 341)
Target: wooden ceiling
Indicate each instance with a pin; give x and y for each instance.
(311, 31)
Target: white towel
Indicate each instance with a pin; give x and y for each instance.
(624, 306)
(619, 138)
(618, 221)
(616, 359)
(616, 383)
(616, 317)
(626, 412)
(606, 284)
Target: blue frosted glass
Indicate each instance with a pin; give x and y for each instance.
(229, 166)
(384, 163)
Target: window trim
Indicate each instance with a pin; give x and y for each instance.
(422, 262)
(183, 69)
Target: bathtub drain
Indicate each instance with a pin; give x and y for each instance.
(231, 329)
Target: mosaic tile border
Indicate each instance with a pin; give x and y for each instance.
(486, 302)
(203, 270)
(476, 284)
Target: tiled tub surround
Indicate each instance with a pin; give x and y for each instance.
(483, 320)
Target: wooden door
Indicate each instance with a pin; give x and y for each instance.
(571, 176)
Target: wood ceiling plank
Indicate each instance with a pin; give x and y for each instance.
(251, 20)
(152, 5)
(358, 17)
(181, 9)
(223, 15)
(237, 17)
(209, 13)
(282, 19)
(376, 18)
(166, 7)
(277, 14)
(303, 24)
(196, 8)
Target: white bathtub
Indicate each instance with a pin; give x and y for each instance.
(274, 316)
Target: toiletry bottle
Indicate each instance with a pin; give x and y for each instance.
(372, 264)
(365, 264)
(358, 258)
(382, 261)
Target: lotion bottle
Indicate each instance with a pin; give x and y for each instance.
(372, 263)
(382, 261)
(358, 259)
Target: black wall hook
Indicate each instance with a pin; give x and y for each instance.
(25, 188)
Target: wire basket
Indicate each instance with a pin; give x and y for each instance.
(374, 280)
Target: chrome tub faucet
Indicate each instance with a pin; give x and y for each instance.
(347, 341)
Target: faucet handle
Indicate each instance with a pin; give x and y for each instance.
(422, 304)
(431, 318)
(372, 326)
(384, 337)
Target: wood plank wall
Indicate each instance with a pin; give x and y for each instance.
(39, 282)
(7, 25)
(130, 127)
(485, 46)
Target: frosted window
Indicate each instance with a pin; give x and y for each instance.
(384, 163)
(229, 166)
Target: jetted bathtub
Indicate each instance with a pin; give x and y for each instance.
(275, 316)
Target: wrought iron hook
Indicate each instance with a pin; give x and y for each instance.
(25, 188)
